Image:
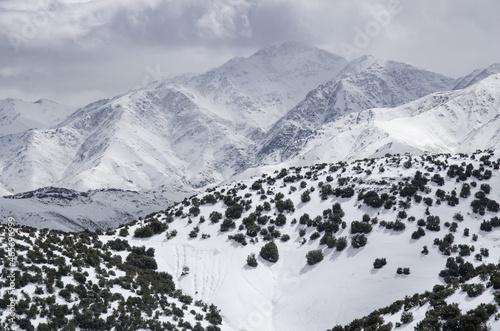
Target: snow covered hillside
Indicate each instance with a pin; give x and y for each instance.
(69, 210)
(257, 91)
(305, 248)
(285, 105)
(364, 84)
(186, 132)
(444, 122)
(17, 115)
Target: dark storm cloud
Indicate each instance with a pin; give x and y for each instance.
(75, 51)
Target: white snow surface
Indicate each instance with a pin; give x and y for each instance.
(291, 295)
(17, 115)
(444, 122)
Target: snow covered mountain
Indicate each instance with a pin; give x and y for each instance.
(477, 76)
(444, 122)
(393, 243)
(187, 132)
(70, 210)
(290, 103)
(364, 84)
(17, 115)
(256, 92)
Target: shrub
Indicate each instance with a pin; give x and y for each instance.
(80, 278)
(227, 224)
(194, 232)
(486, 226)
(171, 234)
(399, 226)
(341, 244)
(141, 258)
(314, 236)
(428, 201)
(328, 240)
(304, 219)
(358, 241)
(234, 211)
(280, 220)
(432, 223)
(269, 252)
(360, 227)
(195, 211)
(465, 191)
(285, 237)
(239, 237)
(285, 205)
(406, 317)
(252, 260)
(157, 226)
(372, 199)
(493, 206)
(305, 197)
(379, 263)
(473, 290)
(257, 185)
(486, 188)
(215, 216)
(118, 244)
(314, 256)
(144, 232)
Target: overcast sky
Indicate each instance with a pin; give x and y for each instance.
(77, 51)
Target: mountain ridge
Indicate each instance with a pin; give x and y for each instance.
(281, 105)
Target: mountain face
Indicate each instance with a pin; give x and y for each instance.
(391, 243)
(364, 84)
(476, 76)
(70, 210)
(290, 104)
(257, 91)
(187, 132)
(18, 116)
(444, 122)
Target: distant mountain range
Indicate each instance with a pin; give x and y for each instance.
(288, 104)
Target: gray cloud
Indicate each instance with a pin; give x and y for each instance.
(75, 51)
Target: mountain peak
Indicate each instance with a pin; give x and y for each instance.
(292, 49)
(476, 76)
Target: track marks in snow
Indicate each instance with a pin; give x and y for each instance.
(207, 269)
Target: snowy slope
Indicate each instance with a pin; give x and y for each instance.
(69, 210)
(476, 76)
(457, 121)
(17, 115)
(257, 91)
(365, 83)
(187, 132)
(289, 103)
(292, 295)
(289, 294)
(75, 281)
